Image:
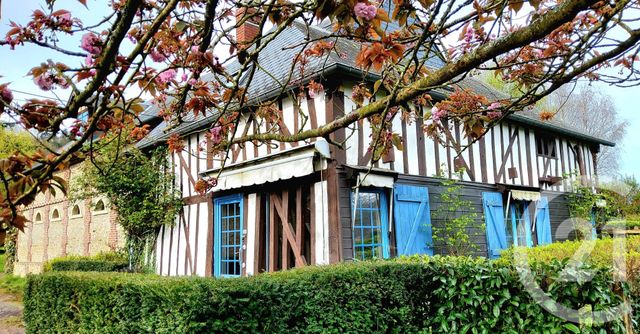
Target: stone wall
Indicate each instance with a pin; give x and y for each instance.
(59, 227)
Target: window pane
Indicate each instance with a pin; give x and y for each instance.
(230, 239)
(367, 232)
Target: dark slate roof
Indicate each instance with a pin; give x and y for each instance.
(275, 63)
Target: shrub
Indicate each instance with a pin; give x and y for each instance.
(600, 256)
(99, 262)
(407, 295)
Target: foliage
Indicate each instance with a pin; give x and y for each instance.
(142, 190)
(458, 218)
(631, 191)
(99, 262)
(9, 258)
(408, 295)
(12, 141)
(174, 55)
(585, 204)
(601, 255)
(13, 285)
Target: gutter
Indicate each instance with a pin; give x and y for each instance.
(558, 129)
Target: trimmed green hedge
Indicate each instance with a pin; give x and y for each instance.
(100, 262)
(438, 294)
(601, 255)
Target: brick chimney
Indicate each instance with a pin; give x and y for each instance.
(247, 31)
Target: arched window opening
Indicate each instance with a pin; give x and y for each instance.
(99, 206)
(55, 215)
(76, 210)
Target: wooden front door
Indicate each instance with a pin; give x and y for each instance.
(286, 228)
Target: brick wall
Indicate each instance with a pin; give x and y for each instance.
(78, 229)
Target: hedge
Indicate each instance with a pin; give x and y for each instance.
(99, 262)
(408, 295)
(601, 255)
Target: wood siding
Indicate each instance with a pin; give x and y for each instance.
(506, 154)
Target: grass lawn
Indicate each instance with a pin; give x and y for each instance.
(10, 284)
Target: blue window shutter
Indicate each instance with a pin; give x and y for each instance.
(494, 220)
(412, 219)
(543, 222)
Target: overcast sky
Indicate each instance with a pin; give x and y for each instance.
(15, 64)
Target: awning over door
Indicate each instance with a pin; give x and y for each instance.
(523, 195)
(375, 180)
(296, 162)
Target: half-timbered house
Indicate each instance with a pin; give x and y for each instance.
(285, 205)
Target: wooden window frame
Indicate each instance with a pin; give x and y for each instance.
(546, 146)
(217, 259)
(383, 211)
(524, 216)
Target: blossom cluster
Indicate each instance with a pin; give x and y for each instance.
(365, 11)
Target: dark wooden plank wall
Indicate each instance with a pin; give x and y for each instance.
(472, 192)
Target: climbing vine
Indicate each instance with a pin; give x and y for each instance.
(594, 206)
(142, 189)
(10, 249)
(458, 218)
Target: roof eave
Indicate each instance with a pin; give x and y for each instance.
(558, 129)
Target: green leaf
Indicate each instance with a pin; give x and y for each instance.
(573, 328)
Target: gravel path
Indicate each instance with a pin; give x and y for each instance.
(10, 315)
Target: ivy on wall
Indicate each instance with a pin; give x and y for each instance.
(142, 189)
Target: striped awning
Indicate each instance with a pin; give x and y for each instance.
(284, 165)
(523, 195)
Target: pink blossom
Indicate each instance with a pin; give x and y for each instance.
(76, 129)
(44, 81)
(91, 43)
(469, 34)
(193, 82)
(367, 12)
(89, 61)
(166, 76)
(494, 114)
(5, 95)
(183, 78)
(65, 20)
(216, 134)
(157, 56)
(195, 50)
(437, 113)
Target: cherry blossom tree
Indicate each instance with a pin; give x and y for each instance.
(177, 53)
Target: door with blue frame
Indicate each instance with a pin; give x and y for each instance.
(370, 224)
(228, 236)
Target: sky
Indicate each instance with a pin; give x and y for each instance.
(14, 65)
